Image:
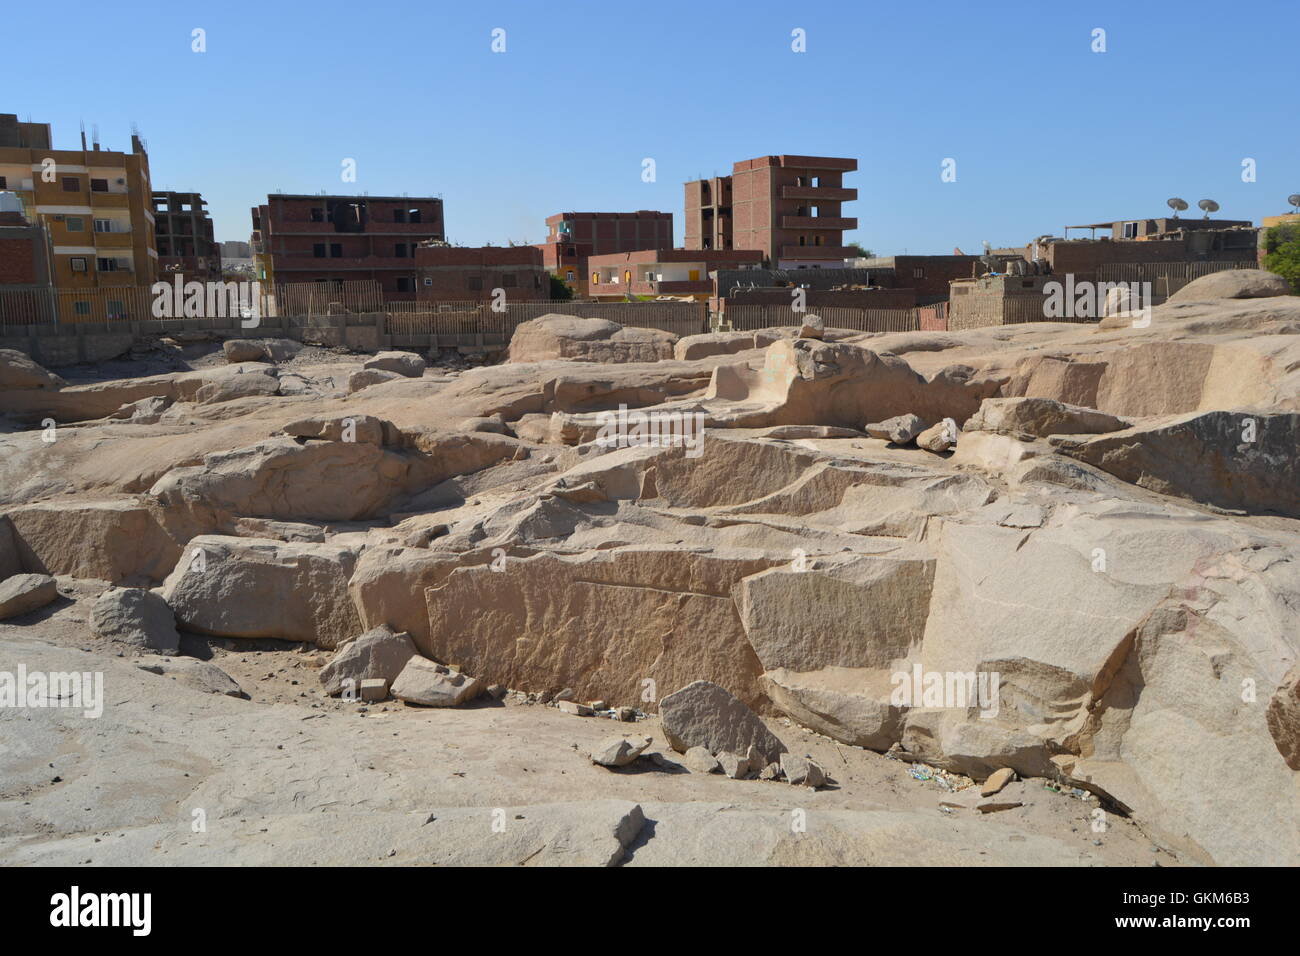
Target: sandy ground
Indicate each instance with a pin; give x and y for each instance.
(290, 775)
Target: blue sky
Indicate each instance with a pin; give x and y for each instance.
(1044, 131)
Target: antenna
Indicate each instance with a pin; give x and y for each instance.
(1294, 199)
(1177, 205)
(1209, 205)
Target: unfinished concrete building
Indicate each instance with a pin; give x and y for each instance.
(183, 231)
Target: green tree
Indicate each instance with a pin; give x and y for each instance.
(1282, 254)
(860, 252)
(559, 290)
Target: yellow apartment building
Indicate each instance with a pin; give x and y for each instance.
(96, 204)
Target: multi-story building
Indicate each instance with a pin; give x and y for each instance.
(574, 236)
(787, 207)
(1162, 247)
(184, 235)
(655, 272)
(335, 239)
(95, 203)
(930, 276)
(462, 274)
(234, 249)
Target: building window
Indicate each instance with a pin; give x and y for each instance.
(318, 250)
(474, 283)
(428, 281)
(803, 240)
(509, 281)
(817, 240)
(405, 284)
(336, 250)
(99, 185)
(106, 265)
(569, 275)
(401, 250)
(71, 184)
(116, 310)
(1130, 230)
(77, 263)
(104, 225)
(918, 272)
(74, 224)
(81, 308)
(317, 215)
(4, 183)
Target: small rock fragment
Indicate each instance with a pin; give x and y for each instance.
(801, 771)
(996, 781)
(994, 806)
(701, 761)
(619, 751)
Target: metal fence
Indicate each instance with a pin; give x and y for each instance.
(747, 318)
(72, 306)
(463, 318)
(105, 306)
(1166, 278)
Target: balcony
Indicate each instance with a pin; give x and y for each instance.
(305, 227)
(301, 263)
(816, 252)
(110, 200)
(649, 288)
(818, 222)
(824, 193)
(114, 240)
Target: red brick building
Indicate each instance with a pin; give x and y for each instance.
(1186, 241)
(330, 239)
(929, 276)
(460, 274)
(574, 236)
(787, 207)
(816, 288)
(24, 247)
(654, 272)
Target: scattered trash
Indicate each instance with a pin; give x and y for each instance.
(952, 782)
(1076, 792)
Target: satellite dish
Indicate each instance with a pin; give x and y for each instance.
(1294, 199)
(1177, 205)
(1209, 205)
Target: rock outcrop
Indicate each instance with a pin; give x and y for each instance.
(1233, 284)
(587, 340)
(137, 617)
